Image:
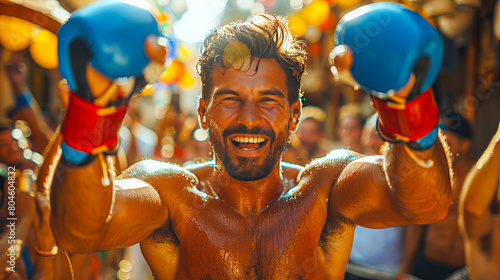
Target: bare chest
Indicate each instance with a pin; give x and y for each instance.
(281, 242)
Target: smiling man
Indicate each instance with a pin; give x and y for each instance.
(246, 214)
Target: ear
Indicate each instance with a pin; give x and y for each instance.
(296, 113)
(202, 114)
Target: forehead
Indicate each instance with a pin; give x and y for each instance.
(262, 75)
(350, 120)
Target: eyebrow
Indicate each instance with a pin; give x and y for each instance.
(273, 92)
(223, 91)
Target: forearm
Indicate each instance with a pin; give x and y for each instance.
(419, 182)
(481, 182)
(81, 203)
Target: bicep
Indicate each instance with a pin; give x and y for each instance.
(362, 195)
(137, 210)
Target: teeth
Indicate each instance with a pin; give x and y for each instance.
(248, 139)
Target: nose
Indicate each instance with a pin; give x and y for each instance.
(249, 115)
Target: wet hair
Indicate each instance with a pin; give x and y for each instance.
(455, 122)
(263, 36)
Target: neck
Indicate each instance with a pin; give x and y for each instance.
(249, 198)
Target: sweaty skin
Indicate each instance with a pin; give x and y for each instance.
(260, 222)
(479, 214)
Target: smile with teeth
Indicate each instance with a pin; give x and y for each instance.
(248, 143)
(248, 139)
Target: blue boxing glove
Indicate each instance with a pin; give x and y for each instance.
(108, 51)
(395, 55)
(110, 35)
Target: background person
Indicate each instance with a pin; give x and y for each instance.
(479, 214)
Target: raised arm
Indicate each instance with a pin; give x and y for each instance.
(392, 190)
(397, 66)
(89, 216)
(91, 209)
(480, 187)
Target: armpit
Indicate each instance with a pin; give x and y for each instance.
(335, 226)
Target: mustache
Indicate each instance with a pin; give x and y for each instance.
(242, 129)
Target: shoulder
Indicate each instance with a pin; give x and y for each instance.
(324, 172)
(335, 160)
(151, 170)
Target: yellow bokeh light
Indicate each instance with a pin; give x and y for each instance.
(174, 71)
(297, 25)
(186, 80)
(317, 12)
(43, 49)
(347, 4)
(15, 33)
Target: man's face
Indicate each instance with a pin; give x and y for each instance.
(350, 130)
(310, 134)
(248, 117)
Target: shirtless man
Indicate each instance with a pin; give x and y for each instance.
(245, 215)
(479, 219)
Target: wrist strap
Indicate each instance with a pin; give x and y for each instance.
(407, 122)
(44, 253)
(90, 128)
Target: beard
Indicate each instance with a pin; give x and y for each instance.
(248, 168)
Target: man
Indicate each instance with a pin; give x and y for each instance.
(350, 127)
(311, 136)
(436, 251)
(478, 214)
(244, 215)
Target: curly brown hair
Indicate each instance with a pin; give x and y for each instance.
(263, 36)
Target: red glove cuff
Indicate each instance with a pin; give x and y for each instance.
(407, 122)
(90, 128)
